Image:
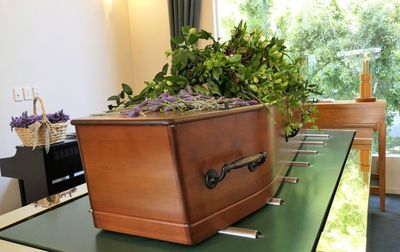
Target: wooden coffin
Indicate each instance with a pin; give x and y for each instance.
(147, 176)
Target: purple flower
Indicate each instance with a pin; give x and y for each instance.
(242, 103)
(58, 117)
(252, 102)
(153, 108)
(135, 112)
(154, 103)
(188, 98)
(143, 103)
(24, 120)
(165, 97)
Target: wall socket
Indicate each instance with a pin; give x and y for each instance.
(18, 94)
(27, 93)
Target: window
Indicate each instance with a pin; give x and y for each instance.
(333, 37)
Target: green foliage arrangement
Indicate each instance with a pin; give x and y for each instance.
(248, 66)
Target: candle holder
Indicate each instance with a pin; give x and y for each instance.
(365, 83)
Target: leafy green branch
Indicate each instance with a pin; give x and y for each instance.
(248, 66)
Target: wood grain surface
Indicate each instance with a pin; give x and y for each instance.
(148, 179)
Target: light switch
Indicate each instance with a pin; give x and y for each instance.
(27, 93)
(17, 92)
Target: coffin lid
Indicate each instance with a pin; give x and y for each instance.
(160, 118)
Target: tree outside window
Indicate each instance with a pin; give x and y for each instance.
(333, 37)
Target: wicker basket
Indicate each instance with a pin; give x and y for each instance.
(58, 131)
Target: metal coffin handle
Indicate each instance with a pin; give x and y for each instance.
(212, 178)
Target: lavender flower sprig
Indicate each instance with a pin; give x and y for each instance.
(24, 120)
(187, 100)
(57, 117)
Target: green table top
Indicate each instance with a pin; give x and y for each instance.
(294, 226)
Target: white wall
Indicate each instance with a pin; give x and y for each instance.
(392, 172)
(149, 39)
(207, 19)
(77, 51)
(150, 36)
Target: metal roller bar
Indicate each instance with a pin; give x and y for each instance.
(307, 152)
(299, 163)
(276, 202)
(293, 180)
(316, 135)
(55, 181)
(309, 142)
(242, 232)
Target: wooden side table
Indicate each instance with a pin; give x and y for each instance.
(361, 116)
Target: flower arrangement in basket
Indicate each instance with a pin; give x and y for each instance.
(38, 130)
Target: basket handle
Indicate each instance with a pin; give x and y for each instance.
(38, 98)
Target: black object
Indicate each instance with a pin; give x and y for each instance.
(212, 178)
(40, 174)
(292, 134)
